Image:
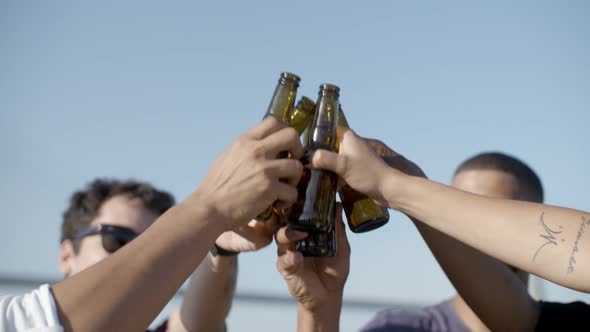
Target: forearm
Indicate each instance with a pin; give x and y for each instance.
(209, 296)
(128, 289)
(325, 319)
(495, 293)
(544, 240)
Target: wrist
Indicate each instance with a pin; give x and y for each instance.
(409, 195)
(207, 203)
(219, 251)
(221, 264)
(330, 305)
(192, 218)
(321, 318)
(391, 187)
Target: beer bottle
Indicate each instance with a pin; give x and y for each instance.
(317, 188)
(362, 213)
(281, 107)
(318, 244)
(302, 114)
(283, 99)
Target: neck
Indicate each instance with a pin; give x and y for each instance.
(469, 318)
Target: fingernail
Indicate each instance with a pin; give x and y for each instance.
(293, 233)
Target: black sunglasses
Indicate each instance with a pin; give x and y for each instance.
(113, 237)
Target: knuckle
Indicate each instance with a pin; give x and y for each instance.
(280, 238)
(298, 166)
(293, 165)
(292, 134)
(259, 150)
(272, 120)
(279, 264)
(319, 157)
(266, 185)
(267, 171)
(241, 142)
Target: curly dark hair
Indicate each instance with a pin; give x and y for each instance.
(85, 204)
(529, 185)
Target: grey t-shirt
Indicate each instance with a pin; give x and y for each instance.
(437, 318)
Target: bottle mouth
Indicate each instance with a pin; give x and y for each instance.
(290, 76)
(329, 87)
(306, 105)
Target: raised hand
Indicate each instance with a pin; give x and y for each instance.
(250, 237)
(247, 177)
(315, 282)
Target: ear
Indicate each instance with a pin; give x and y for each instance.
(67, 258)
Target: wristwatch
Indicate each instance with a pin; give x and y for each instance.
(218, 251)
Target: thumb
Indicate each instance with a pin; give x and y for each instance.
(289, 263)
(330, 161)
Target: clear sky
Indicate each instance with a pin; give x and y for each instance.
(156, 90)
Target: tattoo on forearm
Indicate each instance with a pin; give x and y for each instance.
(548, 235)
(571, 267)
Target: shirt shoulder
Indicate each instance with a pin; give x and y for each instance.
(437, 318)
(163, 327)
(554, 316)
(31, 312)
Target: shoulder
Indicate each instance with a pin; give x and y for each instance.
(571, 307)
(437, 318)
(554, 316)
(33, 311)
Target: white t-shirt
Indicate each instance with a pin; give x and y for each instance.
(32, 312)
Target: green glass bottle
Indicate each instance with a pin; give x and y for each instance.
(302, 114)
(362, 213)
(281, 106)
(283, 100)
(318, 244)
(317, 188)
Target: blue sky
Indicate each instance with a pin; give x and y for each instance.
(156, 91)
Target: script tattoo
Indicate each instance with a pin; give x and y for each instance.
(548, 235)
(572, 262)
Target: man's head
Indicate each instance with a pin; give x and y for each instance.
(501, 176)
(104, 216)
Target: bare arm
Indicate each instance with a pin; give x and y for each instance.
(208, 297)
(129, 288)
(125, 291)
(325, 320)
(490, 289)
(494, 292)
(210, 293)
(548, 241)
(316, 283)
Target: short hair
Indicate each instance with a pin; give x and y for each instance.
(85, 203)
(529, 185)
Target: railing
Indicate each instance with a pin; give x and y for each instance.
(255, 297)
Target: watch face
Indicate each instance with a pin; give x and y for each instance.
(213, 251)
